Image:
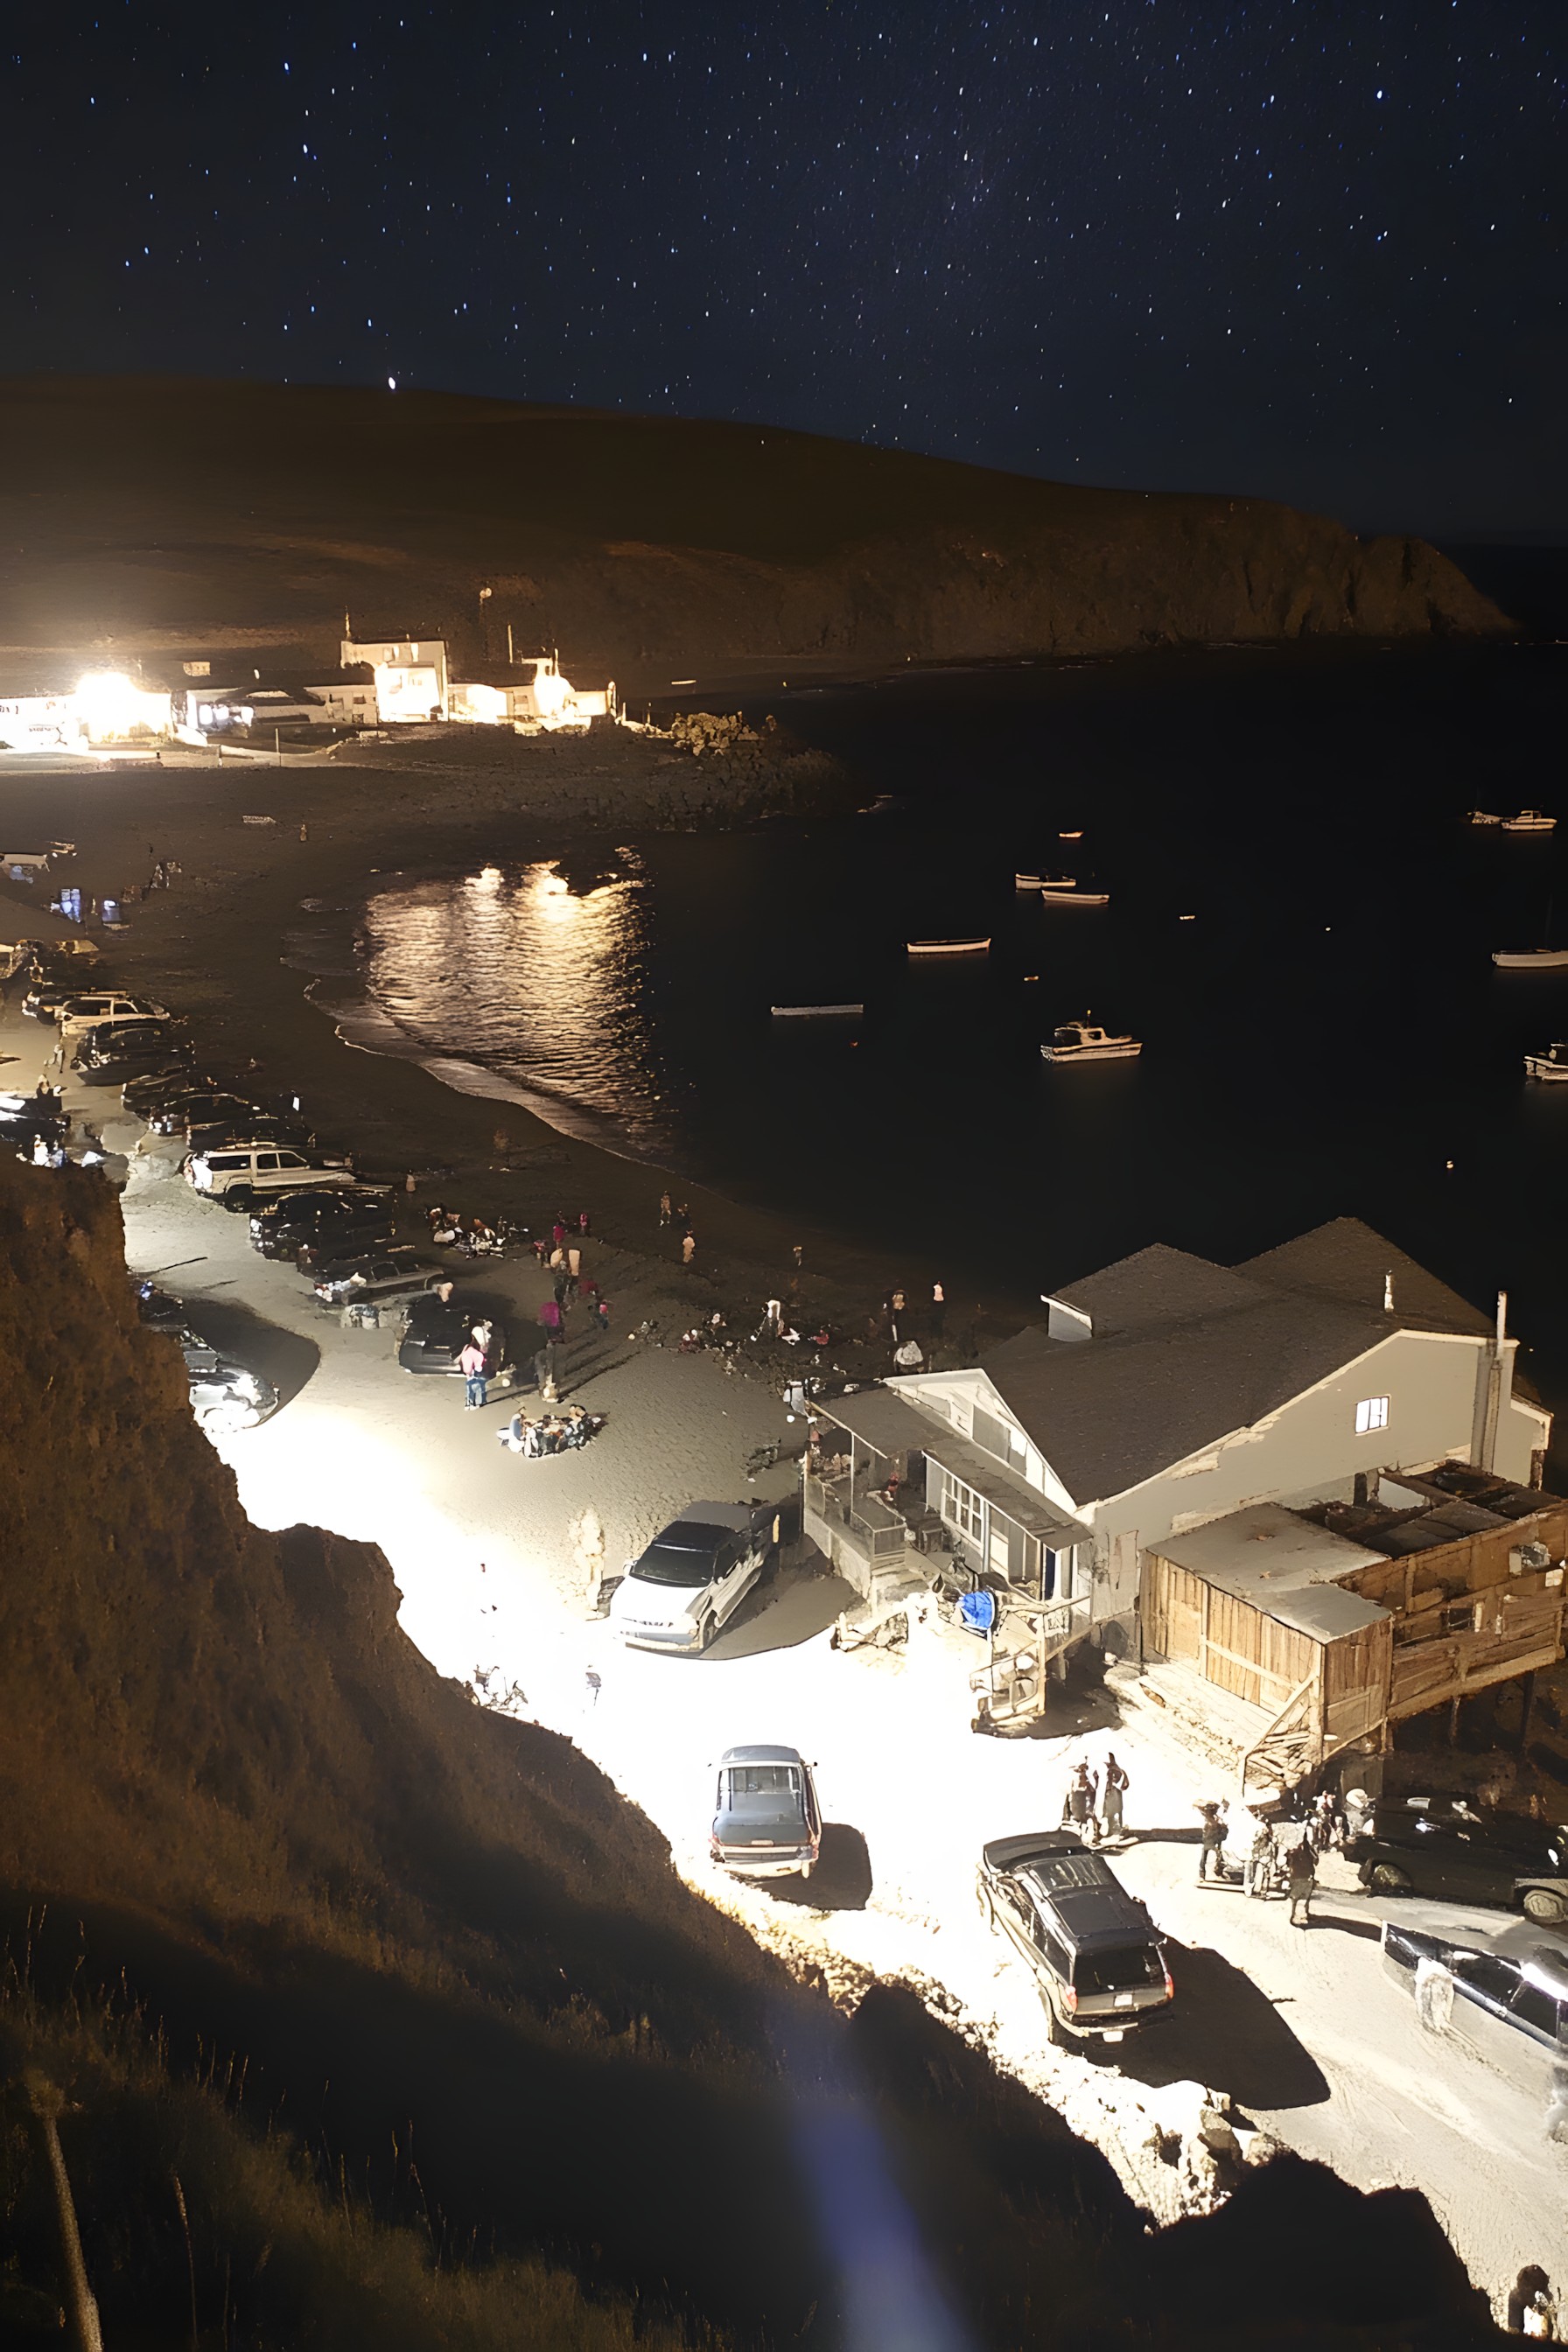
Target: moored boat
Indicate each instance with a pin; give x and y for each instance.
(1551, 1066)
(949, 947)
(1482, 816)
(1531, 959)
(812, 1011)
(1085, 1041)
(1529, 821)
(1064, 892)
(1072, 837)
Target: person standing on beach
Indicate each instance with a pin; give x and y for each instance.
(602, 1312)
(1112, 1789)
(583, 1223)
(664, 1209)
(688, 1247)
(471, 1364)
(938, 1309)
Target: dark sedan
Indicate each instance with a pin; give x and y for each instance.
(198, 1106)
(129, 1049)
(1464, 1852)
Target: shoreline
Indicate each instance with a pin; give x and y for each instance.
(215, 947)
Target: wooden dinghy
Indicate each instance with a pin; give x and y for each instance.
(949, 947)
(814, 1012)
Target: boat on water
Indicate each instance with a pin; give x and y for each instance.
(1085, 1041)
(1529, 821)
(814, 1012)
(1531, 959)
(949, 947)
(1551, 1066)
(1063, 888)
(1072, 837)
(1482, 816)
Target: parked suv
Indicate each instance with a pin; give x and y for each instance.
(1502, 1997)
(438, 1331)
(1465, 1852)
(1093, 1951)
(303, 1226)
(119, 1050)
(236, 1173)
(767, 1822)
(694, 1575)
(95, 1007)
(381, 1275)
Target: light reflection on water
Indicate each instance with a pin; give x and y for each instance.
(536, 973)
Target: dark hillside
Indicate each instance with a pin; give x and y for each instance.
(386, 2019)
(640, 545)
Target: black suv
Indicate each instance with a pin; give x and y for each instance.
(1465, 1853)
(330, 1222)
(437, 1333)
(1093, 1951)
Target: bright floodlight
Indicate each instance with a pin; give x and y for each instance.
(107, 703)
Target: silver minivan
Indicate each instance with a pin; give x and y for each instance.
(237, 1173)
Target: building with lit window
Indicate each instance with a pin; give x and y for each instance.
(1160, 1395)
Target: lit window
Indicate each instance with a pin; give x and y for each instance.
(1371, 1414)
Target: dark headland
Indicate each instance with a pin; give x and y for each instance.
(650, 549)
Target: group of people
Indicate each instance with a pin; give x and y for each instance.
(1093, 1803)
(1277, 1854)
(552, 1434)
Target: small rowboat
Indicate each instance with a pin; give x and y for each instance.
(1529, 821)
(1482, 816)
(1072, 837)
(1531, 959)
(949, 947)
(1551, 1066)
(1063, 891)
(812, 1011)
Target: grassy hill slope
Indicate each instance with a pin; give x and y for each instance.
(638, 544)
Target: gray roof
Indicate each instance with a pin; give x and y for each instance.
(1286, 1565)
(1187, 1351)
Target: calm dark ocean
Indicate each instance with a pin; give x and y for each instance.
(1327, 1035)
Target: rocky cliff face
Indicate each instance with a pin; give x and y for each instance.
(643, 547)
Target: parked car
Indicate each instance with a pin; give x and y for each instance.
(377, 1275)
(95, 1008)
(1466, 1853)
(694, 1575)
(1504, 1996)
(249, 1125)
(237, 1174)
(107, 1057)
(331, 1224)
(178, 1111)
(767, 1822)
(1094, 1952)
(23, 1117)
(54, 986)
(438, 1331)
(224, 1396)
(142, 1095)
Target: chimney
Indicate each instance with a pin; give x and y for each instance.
(1501, 1322)
(1388, 1292)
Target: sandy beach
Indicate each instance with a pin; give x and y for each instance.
(212, 946)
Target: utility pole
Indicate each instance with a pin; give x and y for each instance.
(43, 2104)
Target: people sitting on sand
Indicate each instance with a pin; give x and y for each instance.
(691, 1342)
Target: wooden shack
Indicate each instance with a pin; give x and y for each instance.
(1325, 1624)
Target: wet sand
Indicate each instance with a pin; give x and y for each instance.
(211, 946)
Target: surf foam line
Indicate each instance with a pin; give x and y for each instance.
(366, 1027)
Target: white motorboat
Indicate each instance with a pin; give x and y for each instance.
(949, 947)
(1482, 816)
(1531, 959)
(1085, 1041)
(812, 1011)
(1529, 821)
(1551, 1066)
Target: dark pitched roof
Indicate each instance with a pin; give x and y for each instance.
(1345, 1259)
(1205, 1354)
(1158, 1284)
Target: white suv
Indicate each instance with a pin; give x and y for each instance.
(694, 1575)
(238, 1172)
(95, 1009)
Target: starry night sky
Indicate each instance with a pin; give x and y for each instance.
(1310, 250)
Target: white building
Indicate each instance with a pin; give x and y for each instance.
(531, 695)
(412, 679)
(1165, 1393)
